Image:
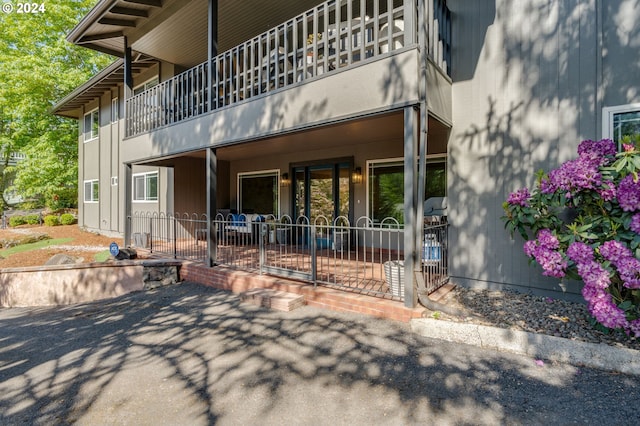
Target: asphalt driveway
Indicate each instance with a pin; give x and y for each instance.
(188, 354)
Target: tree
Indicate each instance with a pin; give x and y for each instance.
(37, 68)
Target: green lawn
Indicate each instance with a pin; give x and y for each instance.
(34, 246)
(102, 256)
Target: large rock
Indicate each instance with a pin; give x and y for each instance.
(62, 259)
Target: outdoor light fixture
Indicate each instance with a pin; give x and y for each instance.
(284, 179)
(356, 176)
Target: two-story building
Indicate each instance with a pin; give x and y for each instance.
(372, 111)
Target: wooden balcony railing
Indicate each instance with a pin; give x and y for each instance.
(329, 38)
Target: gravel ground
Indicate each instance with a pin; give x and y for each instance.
(531, 313)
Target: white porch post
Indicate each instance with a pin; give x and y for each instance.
(410, 203)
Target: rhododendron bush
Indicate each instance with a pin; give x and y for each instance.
(582, 221)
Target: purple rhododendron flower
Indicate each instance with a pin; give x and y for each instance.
(629, 270)
(607, 191)
(547, 240)
(612, 250)
(519, 197)
(530, 247)
(574, 175)
(580, 252)
(544, 251)
(607, 313)
(635, 223)
(622, 258)
(629, 194)
(600, 152)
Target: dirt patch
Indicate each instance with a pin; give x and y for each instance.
(83, 245)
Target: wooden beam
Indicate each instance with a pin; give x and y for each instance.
(128, 11)
(103, 36)
(117, 22)
(104, 49)
(154, 3)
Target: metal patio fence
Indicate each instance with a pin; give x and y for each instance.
(365, 257)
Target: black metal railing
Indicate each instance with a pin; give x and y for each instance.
(363, 257)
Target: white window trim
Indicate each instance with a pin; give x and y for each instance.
(133, 188)
(366, 177)
(84, 186)
(115, 101)
(144, 83)
(269, 172)
(84, 123)
(432, 158)
(607, 117)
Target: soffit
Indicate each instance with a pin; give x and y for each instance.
(176, 31)
(387, 127)
(107, 79)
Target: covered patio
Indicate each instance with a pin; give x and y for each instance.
(358, 258)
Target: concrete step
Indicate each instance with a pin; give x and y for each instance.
(274, 299)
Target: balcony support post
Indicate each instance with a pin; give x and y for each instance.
(422, 29)
(212, 48)
(411, 117)
(410, 25)
(212, 195)
(128, 86)
(128, 75)
(128, 210)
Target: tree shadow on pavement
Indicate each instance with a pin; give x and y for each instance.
(192, 354)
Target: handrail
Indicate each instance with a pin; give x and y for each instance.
(326, 39)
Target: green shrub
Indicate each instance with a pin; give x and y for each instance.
(67, 219)
(62, 198)
(32, 219)
(17, 221)
(51, 220)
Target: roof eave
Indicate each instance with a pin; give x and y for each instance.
(58, 108)
(98, 11)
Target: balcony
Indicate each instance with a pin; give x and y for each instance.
(332, 37)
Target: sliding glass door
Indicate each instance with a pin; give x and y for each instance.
(321, 190)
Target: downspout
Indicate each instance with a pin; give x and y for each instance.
(423, 297)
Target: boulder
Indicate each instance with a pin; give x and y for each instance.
(62, 259)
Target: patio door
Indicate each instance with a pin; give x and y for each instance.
(322, 190)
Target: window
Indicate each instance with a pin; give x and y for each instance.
(259, 192)
(91, 125)
(91, 191)
(145, 186)
(114, 110)
(621, 121)
(385, 190)
(145, 86)
(385, 186)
